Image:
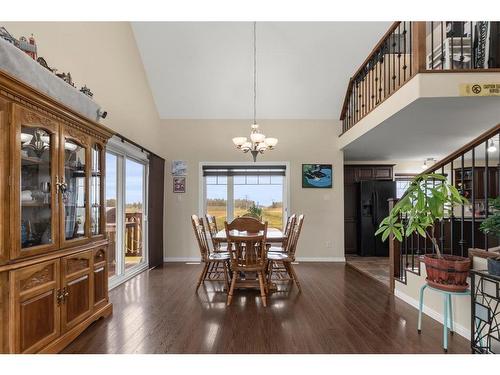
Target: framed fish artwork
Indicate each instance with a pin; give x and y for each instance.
(319, 176)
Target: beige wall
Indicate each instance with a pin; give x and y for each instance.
(104, 56)
(300, 141)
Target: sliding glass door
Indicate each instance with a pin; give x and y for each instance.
(126, 216)
(134, 213)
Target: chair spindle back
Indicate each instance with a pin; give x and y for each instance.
(201, 236)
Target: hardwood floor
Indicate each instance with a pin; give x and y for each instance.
(339, 311)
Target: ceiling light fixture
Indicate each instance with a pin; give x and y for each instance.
(492, 147)
(427, 163)
(258, 142)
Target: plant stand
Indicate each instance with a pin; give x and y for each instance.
(447, 311)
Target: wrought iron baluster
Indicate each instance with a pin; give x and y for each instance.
(452, 216)
(462, 240)
(473, 187)
(462, 45)
(442, 221)
(486, 192)
(442, 47)
(410, 39)
(393, 62)
(405, 35)
(432, 45)
(472, 51)
(380, 62)
(399, 55)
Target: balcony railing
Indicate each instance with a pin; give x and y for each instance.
(474, 170)
(409, 48)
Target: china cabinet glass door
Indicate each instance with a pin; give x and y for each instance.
(74, 190)
(37, 194)
(96, 191)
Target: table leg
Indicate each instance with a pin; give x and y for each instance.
(450, 312)
(420, 307)
(445, 323)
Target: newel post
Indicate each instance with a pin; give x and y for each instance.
(394, 253)
(419, 46)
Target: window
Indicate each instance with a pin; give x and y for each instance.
(236, 190)
(403, 183)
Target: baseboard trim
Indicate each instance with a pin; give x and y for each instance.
(461, 330)
(321, 259)
(181, 259)
(299, 259)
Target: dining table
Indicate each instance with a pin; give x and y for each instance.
(273, 235)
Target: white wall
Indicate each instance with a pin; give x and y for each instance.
(300, 141)
(104, 56)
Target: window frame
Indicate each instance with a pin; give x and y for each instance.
(202, 201)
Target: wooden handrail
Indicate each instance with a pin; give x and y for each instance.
(464, 149)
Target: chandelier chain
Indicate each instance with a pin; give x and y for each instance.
(255, 72)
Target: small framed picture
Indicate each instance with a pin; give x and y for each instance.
(179, 168)
(179, 184)
(318, 176)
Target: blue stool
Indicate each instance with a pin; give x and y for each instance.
(447, 309)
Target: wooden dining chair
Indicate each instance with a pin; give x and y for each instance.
(211, 260)
(283, 260)
(248, 254)
(213, 230)
(245, 223)
(286, 236)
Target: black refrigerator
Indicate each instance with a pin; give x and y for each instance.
(374, 207)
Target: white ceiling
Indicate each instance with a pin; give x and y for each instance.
(203, 70)
(427, 128)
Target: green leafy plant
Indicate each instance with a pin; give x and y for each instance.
(491, 225)
(430, 197)
(255, 211)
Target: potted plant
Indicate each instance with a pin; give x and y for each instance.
(428, 199)
(491, 226)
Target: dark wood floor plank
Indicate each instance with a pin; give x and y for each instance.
(339, 311)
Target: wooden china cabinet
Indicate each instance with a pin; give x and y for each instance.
(53, 247)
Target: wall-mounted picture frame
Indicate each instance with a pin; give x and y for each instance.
(179, 184)
(179, 168)
(317, 176)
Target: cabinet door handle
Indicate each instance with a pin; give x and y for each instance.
(60, 296)
(65, 293)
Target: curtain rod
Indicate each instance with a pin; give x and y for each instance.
(142, 148)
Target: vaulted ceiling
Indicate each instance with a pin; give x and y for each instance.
(204, 70)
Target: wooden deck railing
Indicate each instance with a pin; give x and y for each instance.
(474, 170)
(132, 237)
(409, 48)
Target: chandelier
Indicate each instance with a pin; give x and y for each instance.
(258, 142)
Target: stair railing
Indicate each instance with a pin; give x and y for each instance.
(474, 170)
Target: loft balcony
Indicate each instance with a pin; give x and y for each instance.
(419, 80)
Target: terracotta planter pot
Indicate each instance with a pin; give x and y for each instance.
(447, 273)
